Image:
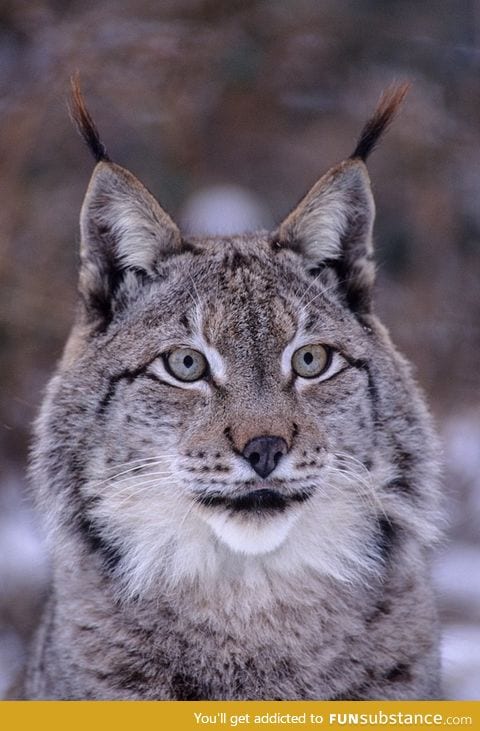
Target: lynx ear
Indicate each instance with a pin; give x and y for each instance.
(124, 232)
(332, 227)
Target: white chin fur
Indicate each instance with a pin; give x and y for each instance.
(251, 536)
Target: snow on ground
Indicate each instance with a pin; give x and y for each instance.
(23, 575)
(461, 661)
(457, 569)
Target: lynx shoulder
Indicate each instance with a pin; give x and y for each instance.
(237, 470)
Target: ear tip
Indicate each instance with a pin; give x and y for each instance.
(83, 121)
(352, 169)
(387, 108)
(108, 170)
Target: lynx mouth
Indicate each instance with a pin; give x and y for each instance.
(256, 521)
(257, 501)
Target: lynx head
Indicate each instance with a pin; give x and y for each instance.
(229, 402)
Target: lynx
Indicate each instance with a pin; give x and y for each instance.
(236, 468)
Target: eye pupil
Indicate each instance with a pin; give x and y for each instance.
(311, 361)
(187, 364)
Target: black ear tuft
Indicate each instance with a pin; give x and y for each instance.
(84, 123)
(387, 108)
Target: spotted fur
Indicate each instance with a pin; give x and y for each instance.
(177, 571)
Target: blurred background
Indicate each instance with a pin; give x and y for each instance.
(228, 112)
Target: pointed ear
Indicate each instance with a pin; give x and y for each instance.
(332, 228)
(124, 233)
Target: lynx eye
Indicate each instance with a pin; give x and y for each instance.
(311, 360)
(187, 364)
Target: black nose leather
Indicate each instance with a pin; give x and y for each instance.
(264, 453)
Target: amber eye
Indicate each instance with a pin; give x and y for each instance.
(311, 360)
(187, 364)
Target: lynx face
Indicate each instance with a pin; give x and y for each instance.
(239, 401)
(229, 405)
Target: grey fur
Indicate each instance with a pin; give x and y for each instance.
(163, 586)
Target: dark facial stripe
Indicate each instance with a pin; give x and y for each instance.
(364, 366)
(113, 382)
(109, 554)
(388, 533)
(185, 323)
(402, 486)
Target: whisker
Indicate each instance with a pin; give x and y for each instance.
(358, 495)
(359, 481)
(142, 459)
(111, 478)
(148, 477)
(314, 281)
(187, 513)
(195, 301)
(138, 490)
(323, 292)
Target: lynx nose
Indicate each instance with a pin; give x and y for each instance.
(264, 453)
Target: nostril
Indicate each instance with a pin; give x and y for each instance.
(264, 453)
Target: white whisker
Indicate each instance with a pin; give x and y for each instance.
(314, 281)
(136, 468)
(322, 292)
(128, 463)
(360, 479)
(149, 477)
(196, 301)
(187, 513)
